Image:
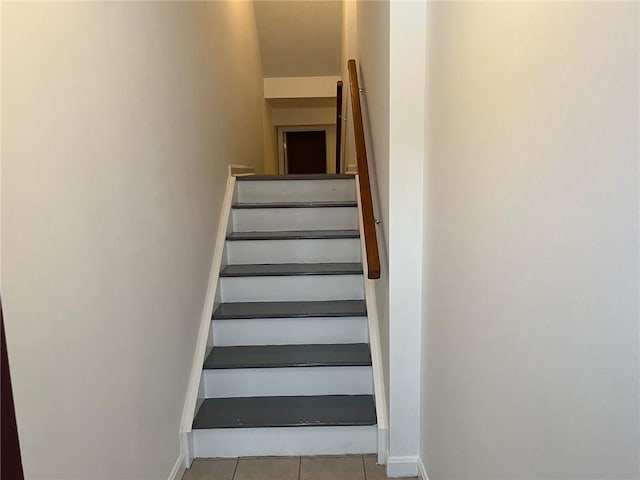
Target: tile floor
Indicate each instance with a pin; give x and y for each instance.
(350, 467)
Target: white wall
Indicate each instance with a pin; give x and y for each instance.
(390, 52)
(118, 122)
(305, 116)
(406, 162)
(299, 38)
(531, 257)
(298, 101)
(300, 87)
(349, 49)
(373, 58)
(372, 19)
(269, 139)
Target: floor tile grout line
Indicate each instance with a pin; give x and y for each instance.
(300, 458)
(236, 468)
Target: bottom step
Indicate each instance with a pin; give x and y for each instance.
(294, 425)
(300, 411)
(284, 441)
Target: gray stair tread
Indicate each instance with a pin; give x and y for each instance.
(293, 235)
(275, 356)
(280, 269)
(307, 411)
(318, 176)
(295, 205)
(334, 308)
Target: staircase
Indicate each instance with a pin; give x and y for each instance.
(288, 370)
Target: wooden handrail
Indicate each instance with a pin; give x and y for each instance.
(368, 220)
(338, 124)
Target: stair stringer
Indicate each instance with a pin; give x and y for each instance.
(195, 390)
(374, 342)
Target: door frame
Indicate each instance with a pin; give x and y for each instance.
(282, 153)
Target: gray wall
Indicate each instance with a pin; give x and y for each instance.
(530, 331)
(119, 119)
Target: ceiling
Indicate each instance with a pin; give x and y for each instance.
(299, 38)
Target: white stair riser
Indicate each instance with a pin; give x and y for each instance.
(268, 382)
(284, 331)
(278, 219)
(293, 251)
(284, 441)
(291, 288)
(267, 191)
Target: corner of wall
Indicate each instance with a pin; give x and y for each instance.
(178, 469)
(270, 164)
(422, 470)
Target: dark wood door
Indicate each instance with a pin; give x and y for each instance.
(306, 152)
(10, 460)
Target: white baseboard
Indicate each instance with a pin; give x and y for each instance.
(284, 441)
(191, 397)
(374, 341)
(402, 466)
(422, 471)
(383, 435)
(178, 469)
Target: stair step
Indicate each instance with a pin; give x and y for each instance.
(322, 250)
(275, 356)
(295, 205)
(296, 188)
(288, 331)
(300, 411)
(294, 219)
(286, 381)
(333, 308)
(294, 235)
(289, 269)
(285, 441)
(318, 176)
(307, 288)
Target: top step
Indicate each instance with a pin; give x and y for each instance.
(258, 189)
(317, 176)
